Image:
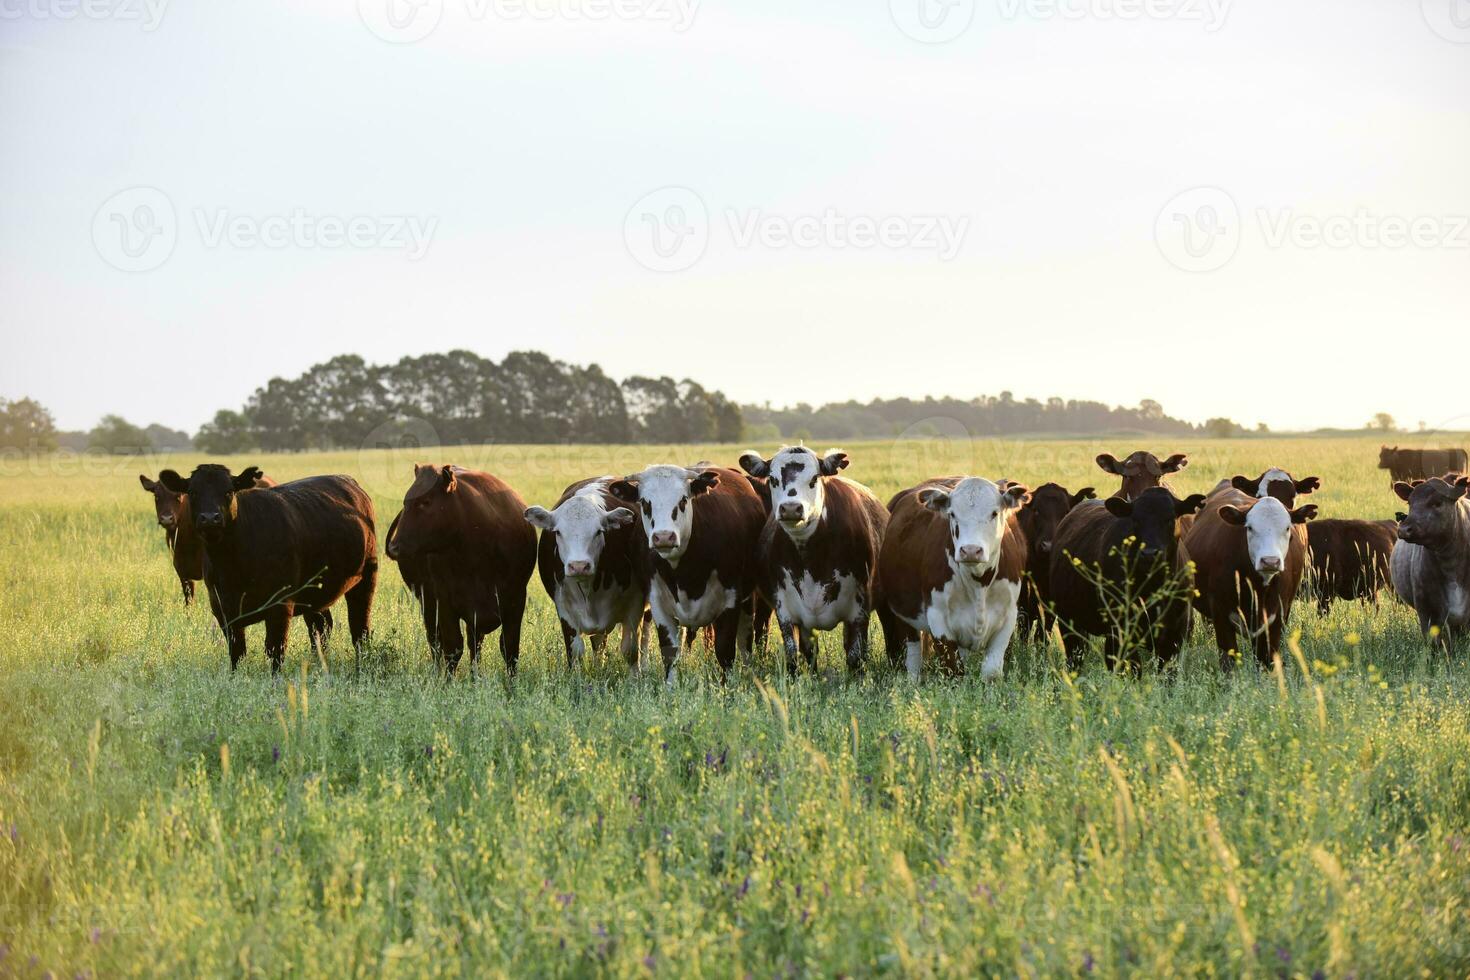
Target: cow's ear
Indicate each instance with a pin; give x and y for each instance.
(174, 482)
(1308, 485)
(448, 482)
(1175, 463)
(704, 483)
(1086, 493)
(1304, 513)
(755, 464)
(541, 517)
(1014, 495)
(1400, 516)
(245, 479)
(834, 461)
(1189, 504)
(1232, 515)
(618, 517)
(624, 490)
(935, 499)
(1245, 484)
(1110, 464)
(1119, 507)
(1404, 490)
(148, 484)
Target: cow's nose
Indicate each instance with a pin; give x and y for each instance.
(212, 520)
(790, 512)
(1271, 564)
(1046, 547)
(166, 521)
(664, 539)
(972, 553)
(579, 568)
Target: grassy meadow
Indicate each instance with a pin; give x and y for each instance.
(159, 816)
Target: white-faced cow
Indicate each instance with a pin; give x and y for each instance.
(951, 567)
(274, 552)
(588, 562)
(1431, 562)
(699, 566)
(1249, 555)
(468, 531)
(1141, 470)
(818, 556)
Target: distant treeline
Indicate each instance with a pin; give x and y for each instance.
(463, 398)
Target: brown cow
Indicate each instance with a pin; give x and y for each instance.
(1350, 559)
(1420, 464)
(1141, 470)
(818, 554)
(469, 530)
(1277, 483)
(275, 551)
(1431, 562)
(701, 527)
(1249, 557)
(172, 511)
(951, 567)
(1039, 519)
(588, 559)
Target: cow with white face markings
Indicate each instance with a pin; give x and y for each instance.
(701, 527)
(588, 560)
(951, 567)
(818, 554)
(1278, 483)
(1249, 555)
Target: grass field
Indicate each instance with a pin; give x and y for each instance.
(161, 816)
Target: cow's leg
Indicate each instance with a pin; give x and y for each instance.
(645, 634)
(451, 642)
(745, 634)
(476, 633)
(360, 609)
(1224, 621)
(809, 646)
(317, 630)
(512, 611)
(669, 635)
(760, 624)
(727, 630)
(235, 636)
(947, 655)
(277, 631)
(855, 643)
(187, 585)
(599, 645)
(573, 642)
(896, 634)
(789, 643)
(631, 640)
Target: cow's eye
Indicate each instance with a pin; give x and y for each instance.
(813, 484)
(994, 514)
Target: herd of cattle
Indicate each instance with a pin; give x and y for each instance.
(952, 564)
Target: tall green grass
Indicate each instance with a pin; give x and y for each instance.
(160, 815)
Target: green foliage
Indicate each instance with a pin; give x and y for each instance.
(116, 435)
(26, 425)
(160, 816)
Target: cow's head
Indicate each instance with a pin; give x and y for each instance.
(428, 522)
(1276, 483)
(977, 511)
(1386, 455)
(169, 507)
(796, 480)
(665, 494)
(1155, 517)
(1049, 503)
(580, 524)
(1267, 525)
(212, 489)
(1141, 470)
(1434, 510)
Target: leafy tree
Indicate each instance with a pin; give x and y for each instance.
(227, 434)
(1383, 422)
(116, 435)
(26, 425)
(1222, 428)
(164, 439)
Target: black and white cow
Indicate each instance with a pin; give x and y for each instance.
(818, 554)
(699, 566)
(588, 560)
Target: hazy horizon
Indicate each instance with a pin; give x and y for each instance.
(1235, 209)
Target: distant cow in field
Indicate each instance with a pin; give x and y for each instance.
(951, 567)
(468, 532)
(275, 551)
(1349, 559)
(172, 512)
(1141, 470)
(1039, 519)
(1130, 586)
(1249, 557)
(1420, 464)
(588, 559)
(701, 528)
(1431, 562)
(818, 553)
(1276, 483)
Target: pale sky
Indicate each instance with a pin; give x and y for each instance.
(789, 201)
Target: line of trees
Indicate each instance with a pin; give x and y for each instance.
(462, 398)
